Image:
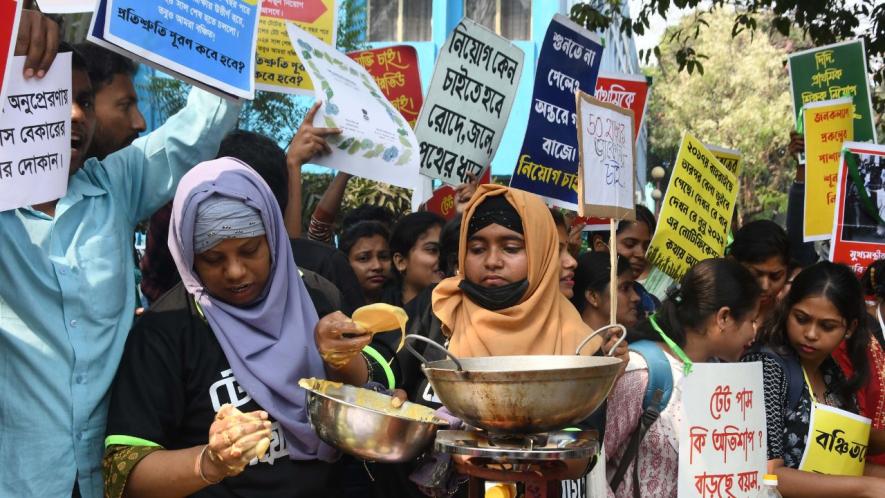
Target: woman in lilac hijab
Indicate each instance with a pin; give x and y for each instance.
(210, 373)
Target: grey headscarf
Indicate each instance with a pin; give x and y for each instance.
(220, 218)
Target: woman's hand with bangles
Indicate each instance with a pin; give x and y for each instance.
(235, 439)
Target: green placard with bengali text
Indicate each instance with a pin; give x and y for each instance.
(832, 72)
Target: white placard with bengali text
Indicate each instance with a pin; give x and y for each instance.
(607, 159)
(375, 142)
(35, 135)
(467, 106)
(722, 437)
(65, 6)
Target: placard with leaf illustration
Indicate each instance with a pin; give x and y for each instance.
(376, 142)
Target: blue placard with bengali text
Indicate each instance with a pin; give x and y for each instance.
(548, 162)
(211, 41)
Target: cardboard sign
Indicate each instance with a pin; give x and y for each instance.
(837, 443)
(627, 91)
(859, 228)
(35, 135)
(607, 159)
(395, 69)
(208, 43)
(696, 211)
(277, 67)
(732, 159)
(569, 60)
(10, 11)
(828, 124)
(723, 436)
(65, 6)
(471, 93)
(832, 72)
(375, 142)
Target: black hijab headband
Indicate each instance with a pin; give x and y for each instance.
(497, 210)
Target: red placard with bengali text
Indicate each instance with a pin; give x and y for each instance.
(9, 13)
(395, 69)
(443, 200)
(629, 91)
(859, 228)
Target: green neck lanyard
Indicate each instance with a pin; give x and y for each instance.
(686, 361)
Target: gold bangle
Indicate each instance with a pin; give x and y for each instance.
(199, 466)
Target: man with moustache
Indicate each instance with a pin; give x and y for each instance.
(67, 292)
(118, 122)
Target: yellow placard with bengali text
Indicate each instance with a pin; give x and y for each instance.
(730, 158)
(828, 124)
(696, 211)
(277, 67)
(837, 442)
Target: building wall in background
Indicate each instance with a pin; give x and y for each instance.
(523, 21)
(425, 24)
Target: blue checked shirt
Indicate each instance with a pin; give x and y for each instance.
(67, 297)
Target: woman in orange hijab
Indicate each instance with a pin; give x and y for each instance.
(506, 299)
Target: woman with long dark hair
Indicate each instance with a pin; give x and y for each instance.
(871, 395)
(633, 239)
(823, 308)
(415, 249)
(367, 249)
(592, 291)
(712, 316)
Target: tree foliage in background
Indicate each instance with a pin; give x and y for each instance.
(821, 21)
(741, 101)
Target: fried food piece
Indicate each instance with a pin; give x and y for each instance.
(261, 447)
(381, 317)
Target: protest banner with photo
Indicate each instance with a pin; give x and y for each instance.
(395, 69)
(35, 135)
(548, 161)
(628, 91)
(9, 10)
(65, 6)
(208, 43)
(696, 211)
(471, 93)
(832, 72)
(827, 125)
(723, 435)
(859, 228)
(606, 159)
(277, 67)
(375, 142)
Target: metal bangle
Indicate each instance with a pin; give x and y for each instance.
(369, 367)
(200, 467)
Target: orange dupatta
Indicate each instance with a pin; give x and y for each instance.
(544, 322)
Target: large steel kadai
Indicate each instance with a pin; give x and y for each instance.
(522, 394)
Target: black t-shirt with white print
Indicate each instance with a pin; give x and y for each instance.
(172, 380)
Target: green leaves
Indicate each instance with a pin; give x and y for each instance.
(742, 101)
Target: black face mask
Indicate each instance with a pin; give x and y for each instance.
(495, 298)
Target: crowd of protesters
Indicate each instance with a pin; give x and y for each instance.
(241, 301)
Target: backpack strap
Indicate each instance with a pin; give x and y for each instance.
(657, 395)
(660, 377)
(792, 371)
